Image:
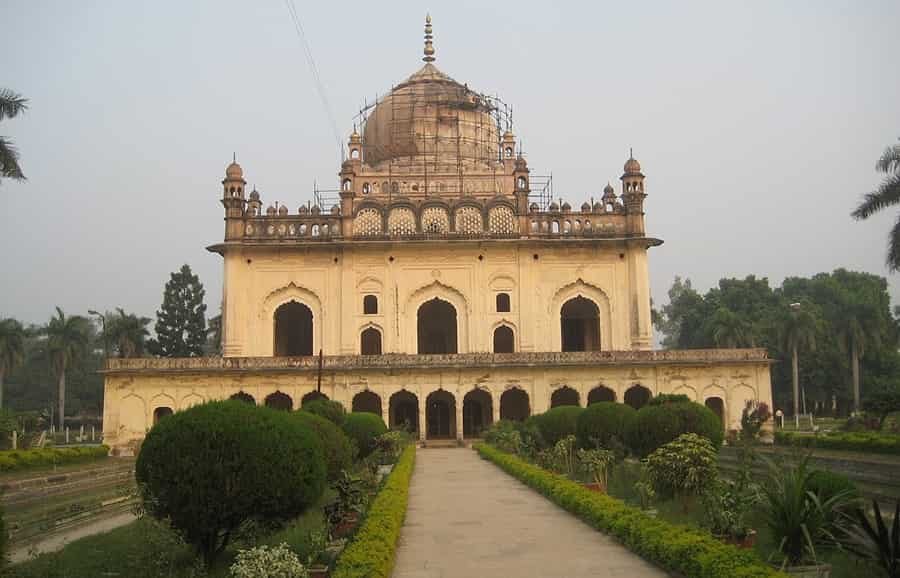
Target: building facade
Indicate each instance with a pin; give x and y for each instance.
(441, 286)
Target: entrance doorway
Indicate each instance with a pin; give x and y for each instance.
(403, 408)
(293, 330)
(440, 415)
(477, 413)
(436, 327)
(580, 319)
(514, 405)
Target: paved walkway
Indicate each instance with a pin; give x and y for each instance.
(469, 519)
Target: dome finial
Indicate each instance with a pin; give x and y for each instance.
(429, 49)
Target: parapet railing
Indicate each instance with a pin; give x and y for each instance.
(402, 360)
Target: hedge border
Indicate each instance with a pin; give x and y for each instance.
(21, 460)
(684, 550)
(862, 442)
(371, 553)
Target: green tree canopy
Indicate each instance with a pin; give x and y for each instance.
(127, 332)
(12, 348)
(181, 321)
(67, 343)
(11, 104)
(886, 195)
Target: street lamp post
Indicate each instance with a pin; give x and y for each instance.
(103, 330)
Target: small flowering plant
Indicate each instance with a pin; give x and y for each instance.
(265, 562)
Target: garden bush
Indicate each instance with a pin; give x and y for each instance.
(264, 562)
(557, 423)
(362, 428)
(371, 554)
(656, 425)
(686, 551)
(215, 467)
(864, 442)
(605, 424)
(683, 467)
(17, 460)
(665, 398)
(826, 485)
(333, 411)
(336, 446)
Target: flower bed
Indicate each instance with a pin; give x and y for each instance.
(371, 554)
(18, 460)
(864, 442)
(687, 551)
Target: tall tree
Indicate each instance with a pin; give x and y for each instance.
(886, 195)
(181, 321)
(729, 330)
(798, 331)
(67, 343)
(856, 324)
(11, 104)
(127, 332)
(12, 348)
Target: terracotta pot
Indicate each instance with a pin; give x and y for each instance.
(594, 488)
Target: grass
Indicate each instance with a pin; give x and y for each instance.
(147, 549)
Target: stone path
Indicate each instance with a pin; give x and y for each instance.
(60, 540)
(467, 518)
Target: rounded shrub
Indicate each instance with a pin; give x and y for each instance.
(333, 411)
(655, 425)
(335, 444)
(557, 423)
(212, 468)
(605, 424)
(362, 428)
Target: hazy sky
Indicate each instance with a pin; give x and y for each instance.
(758, 125)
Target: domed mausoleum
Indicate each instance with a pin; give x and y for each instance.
(439, 285)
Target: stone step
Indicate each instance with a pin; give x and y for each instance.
(442, 443)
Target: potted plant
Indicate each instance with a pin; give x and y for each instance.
(597, 463)
(726, 506)
(799, 520)
(317, 562)
(683, 468)
(343, 512)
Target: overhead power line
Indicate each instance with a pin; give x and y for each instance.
(320, 88)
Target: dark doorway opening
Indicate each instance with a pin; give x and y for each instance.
(293, 330)
(580, 320)
(436, 327)
(564, 396)
(160, 413)
(280, 401)
(370, 342)
(504, 340)
(478, 413)
(514, 405)
(637, 396)
(403, 407)
(718, 406)
(441, 415)
(601, 393)
(367, 401)
(243, 396)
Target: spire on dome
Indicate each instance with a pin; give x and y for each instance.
(429, 49)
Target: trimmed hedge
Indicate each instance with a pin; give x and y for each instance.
(371, 553)
(687, 551)
(18, 460)
(655, 425)
(335, 444)
(557, 423)
(333, 411)
(362, 428)
(604, 422)
(863, 442)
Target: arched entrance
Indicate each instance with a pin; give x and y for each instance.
(243, 396)
(580, 319)
(601, 393)
(403, 410)
(436, 327)
(160, 413)
(478, 413)
(367, 401)
(293, 330)
(440, 415)
(565, 395)
(312, 396)
(370, 342)
(504, 340)
(637, 396)
(717, 405)
(280, 401)
(514, 405)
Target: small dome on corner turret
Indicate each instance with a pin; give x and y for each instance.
(254, 194)
(585, 207)
(283, 210)
(608, 190)
(234, 171)
(632, 167)
(554, 207)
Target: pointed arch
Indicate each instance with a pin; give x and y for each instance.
(515, 404)
(286, 294)
(601, 393)
(564, 395)
(581, 289)
(437, 290)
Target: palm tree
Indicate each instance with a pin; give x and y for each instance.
(128, 333)
(67, 342)
(797, 331)
(12, 348)
(886, 195)
(11, 104)
(856, 325)
(729, 330)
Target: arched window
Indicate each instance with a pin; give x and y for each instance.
(293, 330)
(565, 395)
(160, 413)
(521, 183)
(601, 393)
(280, 401)
(354, 153)
(504, 340)
(436, 327)
(502, 302)
(637, 396)
(508, 152)
(514, 405)
(346, 185)
(370, 342)
(580, 320)
(244, 397)
(370, 305)
(366, 401)
(718, 406)
(366, 188)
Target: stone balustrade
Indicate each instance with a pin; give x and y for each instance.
(400, 361)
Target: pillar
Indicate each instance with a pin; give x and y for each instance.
(423, 427)
(385, 412)
(459, 419)
(495, 407)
